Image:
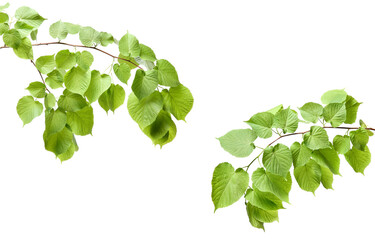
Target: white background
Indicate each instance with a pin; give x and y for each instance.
(238, 58)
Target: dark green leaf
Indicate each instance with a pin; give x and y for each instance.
(351, 106)
(58, 142)
(113, 98)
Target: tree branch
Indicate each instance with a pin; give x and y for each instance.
(41, 76)
(301, 133)
(80, 46)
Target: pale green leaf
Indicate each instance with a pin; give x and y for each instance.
(341, 144)
(263, 200)
(49, 101)
(12, 38)
(122, 72)
(327, 177)
(84, 59)
(65, 59)
(5, 6)
(45, 64)
(55, 79)
(77, 80)
(105, 38)
(37, 89)
(28, 109)
(72, 28)
(266, 216)
(145, 111)
(58, 30)
(228, 185)
(144, 83)
(359, 138)
(130, 61)
(238, 142)
(98, 85)
(268, 182)
(311, 112)
(262, 124)
(334, 96)
(316, 138)
(88, 36)
(129, 46)
(147, 53)
(34, 34)
(167, 74)
(82, 121)
(301, 154)
(358, 159)
(278, 159)
(335, 114)
(329, 158)
(113, 98)
(4, 27)
(250, 213)
(308, 176)
(276, 109)
(55, 121)
(287, 120)
(29, 17)
(178, 100)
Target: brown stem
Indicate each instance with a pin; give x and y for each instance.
(299, 133)
(80, 46)
(41, 76)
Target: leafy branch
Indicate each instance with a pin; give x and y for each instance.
(157, 99)
(315, 159)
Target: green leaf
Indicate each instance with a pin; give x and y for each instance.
(228, 185)
(327, 177)
(266, 216)
(4, 27)
(45, 64)
(287, 120)
(72, 28)
(131, 62)
(12, 38)
(334, 96)
(28, 109)
(37, 89)
(317, 138)
(29, 17)
(351, 106)
(58, 30)
(162, 130)
(3, 7)
(98, 85)
(24, 29)
(262, 124)
(77, 80)
(335, 114)
(129, 46)
(238, 142)
(71, 102)
(308, 176)
(68, 154)
(263, 200)
(276, 109)
(278, 159)
(178, 100)
(58, 142)
(147, 53)
(359, 138)
(84, 59)
(49, 101)
(358, 159)
(113, 98)
(88, 36)
(268, 182)
(329, 158)
(55, 121)
(144, 83)
(341, 144)
(55, 79)
(250, 213)
(311, 111)
(167, 74)
(105, 38)
(65, 59)
(122, 72)
(145, 111)
(301, 154)
(82, 121)
(24, 50)
(34, 34)
(4, 18)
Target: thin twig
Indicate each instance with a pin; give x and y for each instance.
(80, 46)
(41, 76)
